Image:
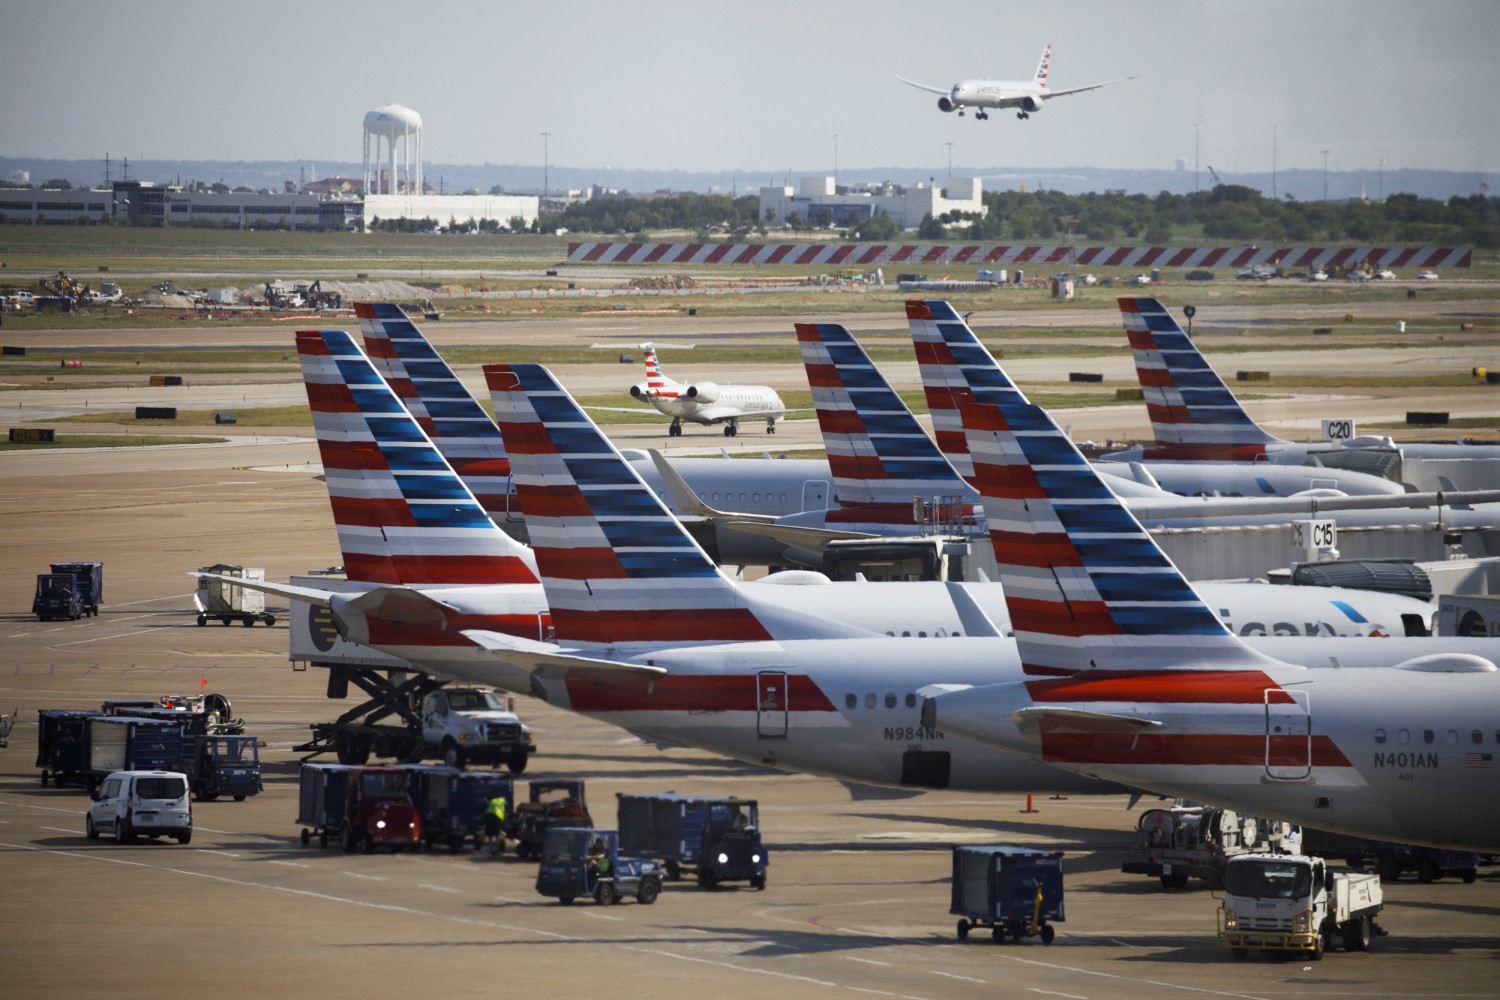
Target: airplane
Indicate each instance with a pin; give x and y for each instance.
(1128, 676)
(1196, 417)
(704, 402)
(1027, 96)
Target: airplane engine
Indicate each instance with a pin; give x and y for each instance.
(1031, 104)
(946, 104)
(638, 392)
(704, 392)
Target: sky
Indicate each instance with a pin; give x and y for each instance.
(774, 86)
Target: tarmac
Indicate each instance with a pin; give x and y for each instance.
(858, 895)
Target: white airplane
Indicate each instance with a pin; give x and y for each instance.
(1026, 96)
(1129, 677)
(704, 402)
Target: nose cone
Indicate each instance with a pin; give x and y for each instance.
(984, 715)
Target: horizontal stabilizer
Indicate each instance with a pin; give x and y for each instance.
(308, 595)
(1306, 505)
(971, 616)
(402, 604)
(1074, 720)
(689, 502)
(533, 656)
(812, 539)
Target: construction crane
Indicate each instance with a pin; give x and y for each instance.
(1214, 176)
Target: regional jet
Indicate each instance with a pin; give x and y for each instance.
(704, 402)
(1026, 96)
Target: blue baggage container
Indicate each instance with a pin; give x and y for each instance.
(1016, 891)
(452, 802)
(321, 793)
(62, 745)
(126, 743)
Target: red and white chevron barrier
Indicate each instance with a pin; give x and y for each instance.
(883, 254)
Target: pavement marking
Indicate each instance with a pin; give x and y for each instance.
(866, 961)
(1122, 944)
(435, 888)
(291, 864)
(59, 829)
(599, 916)
(371, 878)
(207, 850)
(1054, 993)
(954, 975)
(459, 919)
(99, 638)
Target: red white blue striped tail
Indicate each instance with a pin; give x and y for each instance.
(656, 382)
(954, 366)
(1194, 415)
(617, 566)
(1086, 586)
(877, 451)
(446, 411)
(403, 516)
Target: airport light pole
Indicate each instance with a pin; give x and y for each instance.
(1197, 144)
(950, 159)
(1380, 191)
(1274, 137)
(546, 158)
(1325, 175)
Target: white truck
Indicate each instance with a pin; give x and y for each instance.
(1292, 902)
(459, 725)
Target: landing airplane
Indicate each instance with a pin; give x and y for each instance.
(704, 402)
(1196, 417)
(1129, 677)
(1026, 96)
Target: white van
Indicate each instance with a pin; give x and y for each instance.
(141, 803)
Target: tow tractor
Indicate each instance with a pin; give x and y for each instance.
(1292, 902)
(581, 862)
(551, 804)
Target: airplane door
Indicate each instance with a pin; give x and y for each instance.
(815, 494)
(770, 704)
(1288, 735)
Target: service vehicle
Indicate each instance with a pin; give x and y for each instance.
(365, 807)
(62, 745)
(1429, 863)
(581, 862)
(221, 601)
(457, 725)
(221, 765)
(1293, 902)
(1186, 842)
(127, 743)
(715, 839)
(133, 804)
(557, 803)
(90, 586)
(199, 714)
(1016, 892)
(452, 803)
(57, 597)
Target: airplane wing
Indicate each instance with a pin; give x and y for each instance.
(308, 595)
(643, 410)
(928, 87)
(689, 502)
(1248, 506)
(796, 535)
(534, 656)
(1092, 86)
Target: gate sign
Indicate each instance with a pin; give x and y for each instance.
(1338, 430)
(1314, 535)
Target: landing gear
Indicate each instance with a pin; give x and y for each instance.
(732, 429)
(771, 426)
(676, 429)
(980, 116)
(1022, 115)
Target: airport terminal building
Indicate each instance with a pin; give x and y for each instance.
(820, 201)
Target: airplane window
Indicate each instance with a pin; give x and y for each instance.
(1380, 736)
(1452, 736)
(906, 634)
(870, 700)
(890, 700)
(1476, 737)
(921, 635)
(1402, 736)
(911, 700)
(755, 497)
(783, 498)
(850, 701)
(716, 496)
(1427, 735)
(890, 633)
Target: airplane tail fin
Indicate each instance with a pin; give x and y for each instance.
(655, 380)
(954, 366)
(403, 516)
(617, 566)
(877, 451)
(1086, 586)
(1194, 415)
(446, 411)
(1041, 68)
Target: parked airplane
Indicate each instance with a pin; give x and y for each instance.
(1026, 96)
(1196, 417)
(1131, 678)
(704, 402)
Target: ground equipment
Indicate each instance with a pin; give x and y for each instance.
(1015, 891)
(551, 804)
(1292, 902)
(452, 803)
(199, 714)
(57, 597)
(224, 602)
(459, 725)
(366, 807)
(581, 861)
(1186, 842)
(717, 840)
(90, 583)
(221, 765)
(128, 743)
(62, 745)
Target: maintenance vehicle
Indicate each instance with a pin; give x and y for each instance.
(224, 602)
(199, 714)
(581, 862)
(1293, 902)
(1186, 842)
(457, 725)
(62, 745)
(716, 839)
(550, 804)
(57, 597)
(90, 584)
(365, 807)
(221, 765)
(452, 803)
(1015, 891)
(140, 803)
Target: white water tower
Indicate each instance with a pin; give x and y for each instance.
(401, 128)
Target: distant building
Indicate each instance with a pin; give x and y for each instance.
(820, 198)
(452, 208)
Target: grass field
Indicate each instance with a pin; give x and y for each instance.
(66, 441)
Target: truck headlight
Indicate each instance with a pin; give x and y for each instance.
(755, 858)
(1301, 922)
(380, 824)
(723, 859)
(467, 737)
(1231, 922)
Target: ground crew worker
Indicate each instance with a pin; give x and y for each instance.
(494, 817)
(598, 860)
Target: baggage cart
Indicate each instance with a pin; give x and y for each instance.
(1015, 891)
(62, 745)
